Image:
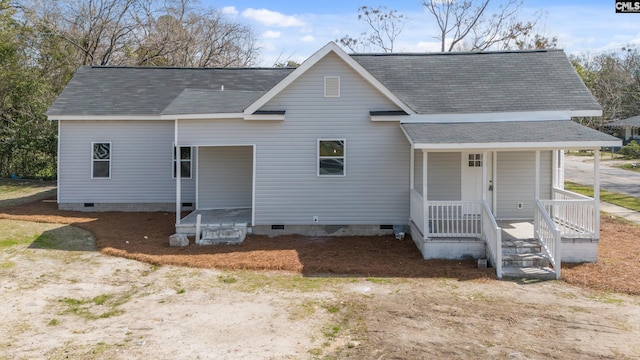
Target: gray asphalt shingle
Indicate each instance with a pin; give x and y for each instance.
(446, 83)
(148, 90)
(632, 121)
(428, 83)
(564, 131)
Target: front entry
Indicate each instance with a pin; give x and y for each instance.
(471, 172)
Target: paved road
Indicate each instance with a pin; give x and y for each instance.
(580, 170)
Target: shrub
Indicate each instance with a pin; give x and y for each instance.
(631, 150)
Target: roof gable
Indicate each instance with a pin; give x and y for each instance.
(310, 62)
(485, 82)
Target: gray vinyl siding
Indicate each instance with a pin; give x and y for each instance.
(418, 162)
(515, 183)
(546, 174)
(443, 176)
(141, 163)
(225, 177)
(375, 189)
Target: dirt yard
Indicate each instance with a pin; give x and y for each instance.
(291, 298)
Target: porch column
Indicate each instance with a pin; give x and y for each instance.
(425, 210)
(554, 169)
(537, 177)
(178, 173)
(596, 190)
(412, 169)
(485, 186)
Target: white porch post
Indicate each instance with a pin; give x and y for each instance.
(425, 210)
(554, 169)
(178, 174)
(537, 177)
(494, 177)
(596, 190)
(485, 181)
(412, 169)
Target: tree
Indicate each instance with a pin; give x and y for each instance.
(383, 27)
(469, 24)
(614, 79)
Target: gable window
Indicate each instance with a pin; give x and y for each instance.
(185, 163)
(332, 86)
(101, 160)
(475, 160)
(331, 157)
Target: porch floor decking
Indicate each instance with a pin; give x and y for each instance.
(219, 216)
(516, 229)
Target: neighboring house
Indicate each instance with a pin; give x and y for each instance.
(629, 129)
(441, 145)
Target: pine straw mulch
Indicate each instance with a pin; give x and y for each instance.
(145, 237)
(618, 266)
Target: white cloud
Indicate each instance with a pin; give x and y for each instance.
(271, 34)
(230, 10)
(308, 38)
(272, 18)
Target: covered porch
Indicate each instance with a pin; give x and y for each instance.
(496, 182)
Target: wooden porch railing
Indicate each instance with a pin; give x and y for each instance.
(573, 214)
(454, 219)
(492, 235)
(548, 235)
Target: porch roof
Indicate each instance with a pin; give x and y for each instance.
(559, 134)
(632, 121)
(211, 101)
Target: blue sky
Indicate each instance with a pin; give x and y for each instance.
(295, 29)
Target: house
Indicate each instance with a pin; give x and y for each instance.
(629, 128)
(453, 148)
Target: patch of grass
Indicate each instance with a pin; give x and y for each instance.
(623, 200)
(631, 167)
(151, 269)
(606, 299)
(7, 265)
(252, 280)
(227, 279)
(53, 322)
(303, 310)
(180, 291)
(99, 307)
(14, 241)
(376, 280)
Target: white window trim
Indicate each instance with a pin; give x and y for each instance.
(475, 160)
(93, 143)
(325, 86)
(173, 162)
(343, 157)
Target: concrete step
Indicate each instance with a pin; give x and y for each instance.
(541, 273)
(524, 260)
(223, 234)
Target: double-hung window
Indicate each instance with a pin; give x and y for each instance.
(101, 160)
(331, 157)
(185, 163)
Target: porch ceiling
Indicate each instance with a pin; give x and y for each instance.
(559, 134)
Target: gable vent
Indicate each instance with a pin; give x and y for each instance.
(332, 86)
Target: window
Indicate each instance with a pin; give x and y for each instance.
(475, 160)
(101, 160)
(332, 86)
(185, 163)
(331, 158)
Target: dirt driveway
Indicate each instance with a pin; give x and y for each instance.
(60, 299)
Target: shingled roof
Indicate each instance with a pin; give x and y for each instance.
(632, 121)
(150, 90)
(445, 83)
(451, 83)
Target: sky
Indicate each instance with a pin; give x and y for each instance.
(295, 29)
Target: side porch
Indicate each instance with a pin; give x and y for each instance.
(504, 201)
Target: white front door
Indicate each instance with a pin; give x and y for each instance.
(471, 173)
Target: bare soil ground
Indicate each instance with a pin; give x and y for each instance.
(292, 297)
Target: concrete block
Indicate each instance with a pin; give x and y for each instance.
(178, 240)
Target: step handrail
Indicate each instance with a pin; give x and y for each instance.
(548, 235)
(492, 234)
